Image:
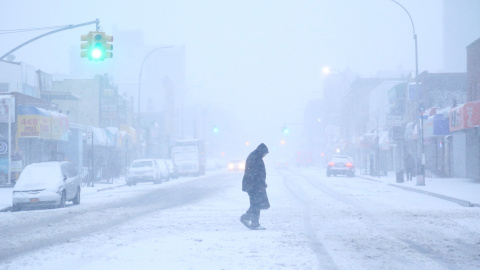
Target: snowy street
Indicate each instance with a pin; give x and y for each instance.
(314, 222)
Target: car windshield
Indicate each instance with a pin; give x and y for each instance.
(38, 176)
(143, 163)
(341, 160)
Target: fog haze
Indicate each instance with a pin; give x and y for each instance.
(260, 60)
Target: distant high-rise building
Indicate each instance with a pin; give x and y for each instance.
(461, 26)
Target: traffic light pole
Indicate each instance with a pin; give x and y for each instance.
(71, 26)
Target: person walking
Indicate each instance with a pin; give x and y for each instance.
(409, 165)
(255, 185)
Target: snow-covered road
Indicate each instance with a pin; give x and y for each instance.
(315, 222)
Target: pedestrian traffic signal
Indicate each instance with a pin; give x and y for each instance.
(97, 46)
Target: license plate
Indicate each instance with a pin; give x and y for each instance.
(33, 199)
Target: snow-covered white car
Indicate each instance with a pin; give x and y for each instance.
(47, 184)
(143, 170)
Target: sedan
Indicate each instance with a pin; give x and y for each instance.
(47, 184)
(341, 165)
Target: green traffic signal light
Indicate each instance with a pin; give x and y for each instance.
(96, 47)
(215, 130)
(97, 51)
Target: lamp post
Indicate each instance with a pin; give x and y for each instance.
(140, 77)
(345, 127)
(422, 150)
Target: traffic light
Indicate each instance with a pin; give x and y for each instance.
(285, 129)
(85, 46)
(215, 129)
(97, 46)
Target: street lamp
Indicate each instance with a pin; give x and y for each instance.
(416, 89)
(345, 130)
(140, 76)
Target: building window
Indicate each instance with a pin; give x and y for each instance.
(4, 87)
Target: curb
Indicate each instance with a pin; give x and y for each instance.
(457, 201)
(9, 208)
(451, 199)
(107, 188)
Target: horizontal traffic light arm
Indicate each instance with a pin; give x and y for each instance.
(97, 21)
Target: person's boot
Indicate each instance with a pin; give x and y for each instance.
(245, 221)
(256, 226)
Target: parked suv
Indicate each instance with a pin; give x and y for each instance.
(143, 170)
(47, 184)
(341, 165)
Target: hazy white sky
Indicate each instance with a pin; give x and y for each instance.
(264, 54)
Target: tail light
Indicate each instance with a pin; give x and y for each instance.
(331, 164)
(349, 164)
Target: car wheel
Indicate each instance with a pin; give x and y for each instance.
(328, 174)
(16, 208)
(76, 200)
(63, 200)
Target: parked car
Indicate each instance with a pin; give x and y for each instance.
(47, 184)
(163, 168)
(172, 169)
(236, 165)
(143, 170)
(341, 165)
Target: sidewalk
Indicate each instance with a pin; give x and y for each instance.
(6, 192)
(463, 191)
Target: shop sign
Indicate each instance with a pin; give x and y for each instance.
(7, 104)
(394, 120)
(37, 126)
(465, 116)
(3, 148)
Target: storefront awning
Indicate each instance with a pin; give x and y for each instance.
(99, 137)
(33, 122)
(410, 131)
(465, 116)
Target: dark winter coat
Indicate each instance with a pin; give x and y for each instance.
(255, 174)
(254, 178)
(409, 163)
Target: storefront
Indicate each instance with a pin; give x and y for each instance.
(463, 124)
(38, 133)
(435, 132)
